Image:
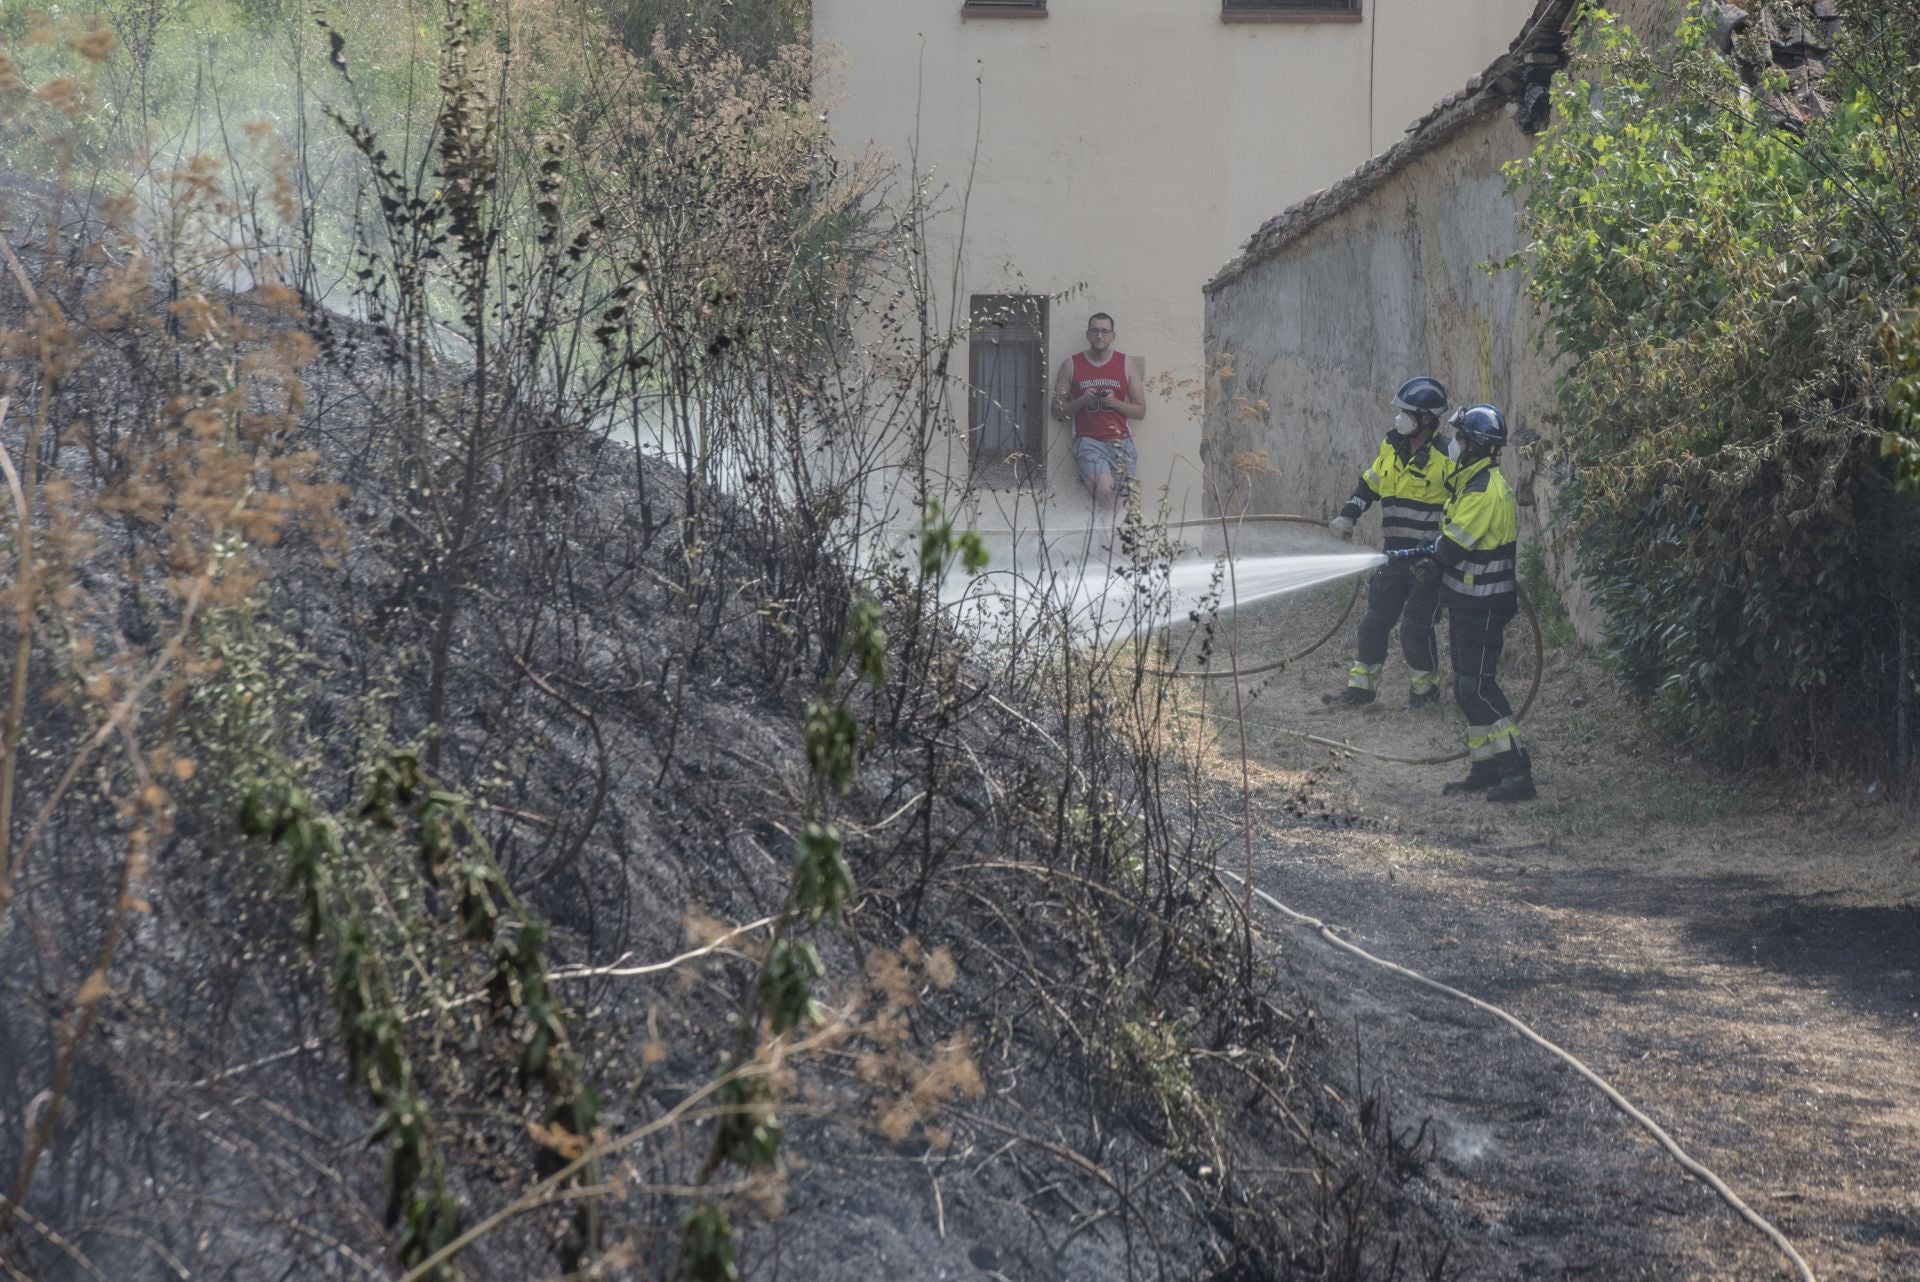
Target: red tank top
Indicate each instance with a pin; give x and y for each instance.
(1101, 425)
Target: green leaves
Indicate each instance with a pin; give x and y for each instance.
(822, 882)
(409, 878)
(286, 815)
(749, 1133)
(941, 546)
(396, 778)
(436, 816)
(867, 642)
(1703, 270)
(478, 884)
(786, 984)
(1899, 336)
(832, 739)
(706, 1247)
(432, 1221)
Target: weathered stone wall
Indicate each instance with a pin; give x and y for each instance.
(1310, 334)
(1335, 302)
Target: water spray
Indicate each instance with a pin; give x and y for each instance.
(1104, 597)
(1096, 582)
(1087, 599)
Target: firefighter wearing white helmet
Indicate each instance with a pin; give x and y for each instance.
(1408, 480)
(1477, 553)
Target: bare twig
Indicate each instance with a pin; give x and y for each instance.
(46, 1231)
(553, 1187)
(94, 988)
(119, 716)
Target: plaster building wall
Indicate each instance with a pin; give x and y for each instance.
(1114, 152)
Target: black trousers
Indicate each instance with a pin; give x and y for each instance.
(1394, 595)
(1475, 638)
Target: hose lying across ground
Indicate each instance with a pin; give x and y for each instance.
(1614, 1097)
(1326, 932)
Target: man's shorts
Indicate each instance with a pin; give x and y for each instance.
(1115, 458)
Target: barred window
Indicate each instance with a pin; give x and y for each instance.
(1007, 371)
(1290, 10)
(1004, 9)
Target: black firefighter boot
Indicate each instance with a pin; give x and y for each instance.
(1516, 783)
(1481, 776)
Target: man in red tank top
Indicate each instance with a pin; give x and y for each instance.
(1102, 391)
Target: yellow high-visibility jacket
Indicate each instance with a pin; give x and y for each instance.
(1479, 539)
(1412, 494)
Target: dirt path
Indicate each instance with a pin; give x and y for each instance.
(1739, 962)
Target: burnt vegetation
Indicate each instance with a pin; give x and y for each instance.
(488, 784)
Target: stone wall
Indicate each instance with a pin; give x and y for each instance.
(1381, 277)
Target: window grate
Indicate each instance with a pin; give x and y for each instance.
(1291, 10)
(1007, 415)
(1004, 9)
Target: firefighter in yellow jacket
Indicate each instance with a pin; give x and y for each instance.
(1408, 480)
(1477, 554)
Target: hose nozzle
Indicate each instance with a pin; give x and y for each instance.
(1409, 556)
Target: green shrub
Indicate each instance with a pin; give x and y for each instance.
(1556, 629)
(1719, 276)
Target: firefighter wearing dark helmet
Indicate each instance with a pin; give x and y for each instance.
(1408, 480)
(1477, 554)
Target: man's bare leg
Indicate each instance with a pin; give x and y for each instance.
(1104, 495)
(1106, 509)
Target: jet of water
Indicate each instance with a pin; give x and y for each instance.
(1095, 600)
(1257, 578)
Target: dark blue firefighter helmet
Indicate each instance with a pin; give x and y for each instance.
(1421, 396)
(1482, 426)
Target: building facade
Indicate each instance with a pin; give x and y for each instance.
(1108, 155)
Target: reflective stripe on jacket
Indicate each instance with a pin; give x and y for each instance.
(1479, 538)
(1412, 494)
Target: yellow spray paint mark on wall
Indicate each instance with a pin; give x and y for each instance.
(1483, 354)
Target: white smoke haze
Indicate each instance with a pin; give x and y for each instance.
(238, 92)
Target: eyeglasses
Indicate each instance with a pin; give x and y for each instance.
(1091, 330)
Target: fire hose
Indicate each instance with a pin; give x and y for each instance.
(1210, 674)
(1331, 936)
(1666, 1141)
(1660, 1135)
